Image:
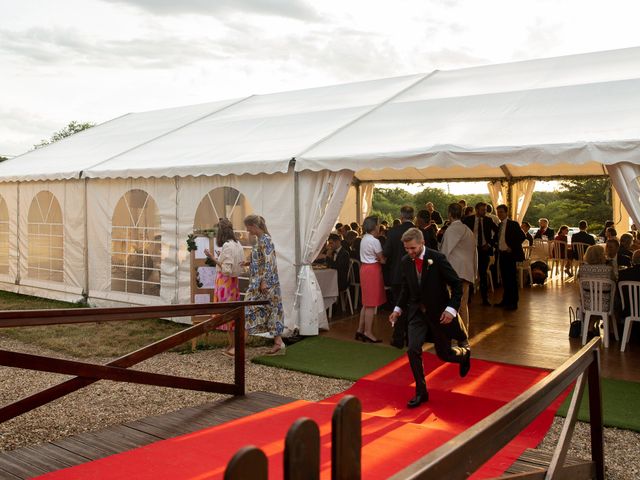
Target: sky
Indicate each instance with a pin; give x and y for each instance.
(93, 60)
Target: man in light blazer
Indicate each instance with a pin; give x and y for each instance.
(429, 307)
(459, 246)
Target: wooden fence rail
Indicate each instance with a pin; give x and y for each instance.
(118, 369)
(461, 456)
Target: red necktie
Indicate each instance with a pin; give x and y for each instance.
(419, 264)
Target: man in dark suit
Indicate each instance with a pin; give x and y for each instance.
(484, 230)
(544, 230)
(428, 228)
(631, 274)
(581, 237)
(509, 241)
(426, 279)
(339, 259)
(433, 214)
(393, 251)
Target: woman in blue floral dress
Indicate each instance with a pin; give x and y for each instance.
(264, 284)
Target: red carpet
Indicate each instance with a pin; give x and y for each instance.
(393, 436)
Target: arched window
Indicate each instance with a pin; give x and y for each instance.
(4, 237)
(225, 202)
(136, 245)
(46, 238)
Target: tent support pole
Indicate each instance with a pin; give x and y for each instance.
(86, 242)
(18, 235)
(358, 205)
(176, 182)
(296, 223)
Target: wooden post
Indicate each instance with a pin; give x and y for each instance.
(239, 350)
(248, 463)
(346, 441)
(595, 415)
(302, 451)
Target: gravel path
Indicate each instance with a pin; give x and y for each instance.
(108, 403)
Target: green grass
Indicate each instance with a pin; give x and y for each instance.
(103, 339)
(328, 357)
(620, 401)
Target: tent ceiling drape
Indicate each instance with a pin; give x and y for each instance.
(562, 116)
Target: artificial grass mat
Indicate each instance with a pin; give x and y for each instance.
(620, 402)
(328, 357)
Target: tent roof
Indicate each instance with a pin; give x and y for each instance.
(549, 117)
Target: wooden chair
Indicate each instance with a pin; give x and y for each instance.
(632, 297)
(595, 306)
(525, 266)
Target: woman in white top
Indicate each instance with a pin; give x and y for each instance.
(229, 265)
(459, 246)
(371, 282)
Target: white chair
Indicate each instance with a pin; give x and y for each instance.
(577, 250)
(525, 266)
(352, 281)
(558, 258)
(632, 296)
(598, 292)
(345, 295)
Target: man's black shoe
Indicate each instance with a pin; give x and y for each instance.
(418, 399)
(465, 364)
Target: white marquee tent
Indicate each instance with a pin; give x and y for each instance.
(67, 210)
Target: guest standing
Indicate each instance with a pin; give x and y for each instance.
(393, 251)
(459, 246)
(264, 284)
(510, 238)
(229, 266)
(371, 282)
(434, 215)
(483, 230)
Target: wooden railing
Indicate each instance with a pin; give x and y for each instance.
(118, 369)
(461, 456)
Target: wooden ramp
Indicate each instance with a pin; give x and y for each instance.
(532, 465)
(28, 462)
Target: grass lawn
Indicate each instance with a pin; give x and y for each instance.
(102, 339)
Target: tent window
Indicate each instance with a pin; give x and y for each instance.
(136, 245)
(225, 202)
(46, 238)
(4, 237)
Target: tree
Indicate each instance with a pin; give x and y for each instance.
(72, 128)
(2, 159)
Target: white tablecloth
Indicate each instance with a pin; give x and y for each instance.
(328, 283)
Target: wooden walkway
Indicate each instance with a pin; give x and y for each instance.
(28, 462)
(535, 335)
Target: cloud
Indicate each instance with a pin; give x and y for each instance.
(296, 9)
(51, 46)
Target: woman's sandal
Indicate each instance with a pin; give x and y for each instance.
(278, 349)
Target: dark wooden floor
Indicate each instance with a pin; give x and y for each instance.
(32, 461)
(534, 335)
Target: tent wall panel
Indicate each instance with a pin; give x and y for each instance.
(9, 192)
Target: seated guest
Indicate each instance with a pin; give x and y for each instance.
(595, 268)
(428, 228)
(544, 232)
(626, 242)
(525, 226)
(611, 248)
(582, 237)
(337, 257)
(630, 275)
(610, 233)
(562, 237)
(607, 224)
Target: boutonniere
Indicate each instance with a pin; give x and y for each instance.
(429, 262)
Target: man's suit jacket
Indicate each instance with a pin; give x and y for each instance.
(436, 217)
(430, 239)
(548, 232)
(583, 237)
(514, 236)
(431, 291)
(628, 275)
(341, 264)
(393, 250)
(489, 228)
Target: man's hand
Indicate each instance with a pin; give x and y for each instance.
(446, 318)
(393, 318)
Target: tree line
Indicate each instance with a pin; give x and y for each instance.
(576, 199)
